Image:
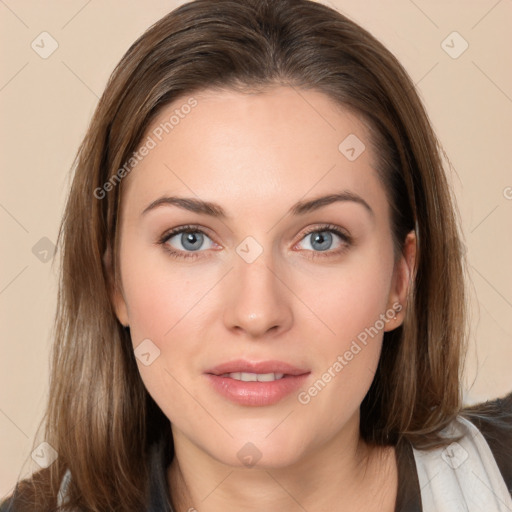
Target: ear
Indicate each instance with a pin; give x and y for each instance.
(115, 291)
(403, 276)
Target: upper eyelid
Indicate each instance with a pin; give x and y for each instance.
(327, 227)
(186, 227)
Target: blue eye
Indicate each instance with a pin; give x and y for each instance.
(190, 238)
(322, 238)
(189, 241)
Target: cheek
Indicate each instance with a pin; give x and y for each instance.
(160, 293)
(166, 304)
(163, 308)
(349, 300)
(348, 304)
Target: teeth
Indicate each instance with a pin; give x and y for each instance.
(253, 377)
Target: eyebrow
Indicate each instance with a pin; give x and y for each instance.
(215, 210)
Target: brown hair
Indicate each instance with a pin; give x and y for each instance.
(100, 418)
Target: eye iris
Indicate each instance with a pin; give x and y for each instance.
(324, 238)
(192, 238)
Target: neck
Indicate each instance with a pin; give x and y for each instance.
(343, 473)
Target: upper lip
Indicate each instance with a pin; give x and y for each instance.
(241, 365)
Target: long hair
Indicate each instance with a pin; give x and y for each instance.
(100, 419)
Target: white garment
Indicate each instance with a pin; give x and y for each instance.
(63, 488)
(463, 476)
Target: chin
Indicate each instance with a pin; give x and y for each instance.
(256, 452)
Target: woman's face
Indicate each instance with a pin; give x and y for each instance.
(270, 273)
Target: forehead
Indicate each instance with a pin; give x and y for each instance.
(245, 149)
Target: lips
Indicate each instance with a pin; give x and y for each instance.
(243, 366)
(250, 391)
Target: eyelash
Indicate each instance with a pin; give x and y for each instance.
(331, 228)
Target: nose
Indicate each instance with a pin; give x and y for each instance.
(258, 302)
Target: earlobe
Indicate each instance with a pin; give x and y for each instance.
(119, 305)
(402, 281)
(115, 293)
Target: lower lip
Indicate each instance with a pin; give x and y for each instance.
(256, 393)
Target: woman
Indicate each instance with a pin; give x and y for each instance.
(261, 301)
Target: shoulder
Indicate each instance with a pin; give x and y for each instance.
(493, 419)
(31, 495)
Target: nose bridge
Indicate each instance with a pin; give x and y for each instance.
(259, 301)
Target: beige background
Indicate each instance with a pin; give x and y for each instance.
(46, 105)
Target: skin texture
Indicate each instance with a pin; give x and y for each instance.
(256, 155)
